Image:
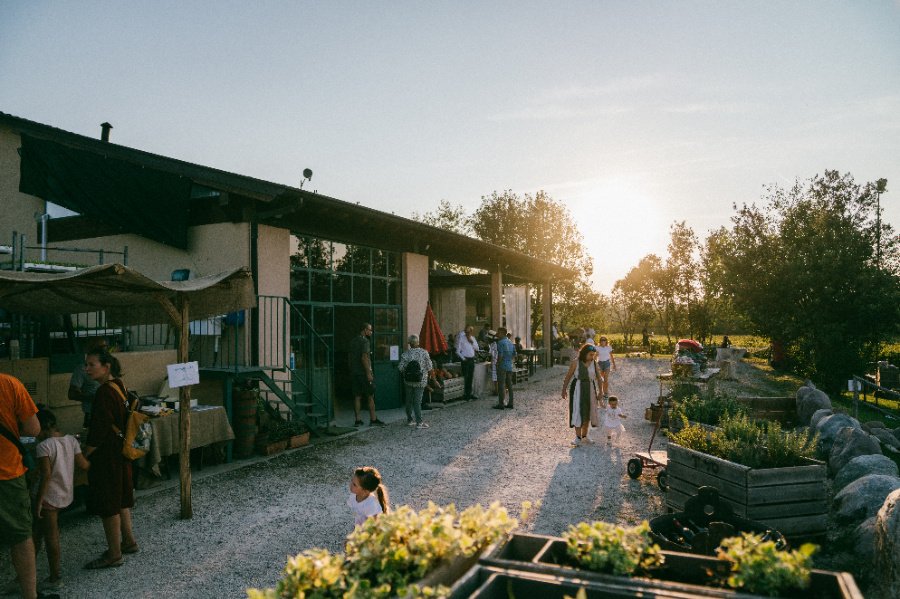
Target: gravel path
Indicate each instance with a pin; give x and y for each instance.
(248, 519)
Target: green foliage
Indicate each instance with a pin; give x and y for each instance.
(707, 408)
(387, 555)
(603, 547)
(284, 429)
(758, 567)
(744, 441)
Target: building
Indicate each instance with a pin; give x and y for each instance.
(321, 266)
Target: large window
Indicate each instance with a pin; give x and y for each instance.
(335, 273)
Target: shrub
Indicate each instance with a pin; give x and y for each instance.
(608, 548)
(758, 567)
(707, 408)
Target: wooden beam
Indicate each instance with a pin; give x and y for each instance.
(547, 334)
(184, 411)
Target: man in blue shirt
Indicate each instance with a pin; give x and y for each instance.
(506, 353)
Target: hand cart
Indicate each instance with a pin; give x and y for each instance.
(653, 459)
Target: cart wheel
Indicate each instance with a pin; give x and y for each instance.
(662, 480)
(634, 468)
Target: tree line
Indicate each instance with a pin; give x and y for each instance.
(811, 267)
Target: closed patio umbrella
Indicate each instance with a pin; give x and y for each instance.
(431, 339)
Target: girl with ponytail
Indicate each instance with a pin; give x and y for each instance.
(368, 495)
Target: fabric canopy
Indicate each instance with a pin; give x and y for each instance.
(127, 296)
(431, 339)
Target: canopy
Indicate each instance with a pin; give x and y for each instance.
(127, 296)
(690, 344)
(431, 339)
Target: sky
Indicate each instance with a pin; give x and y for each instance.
(633, 114)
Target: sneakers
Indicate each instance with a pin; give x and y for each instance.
(50, 585)
(576, 442)
(422, 425)
(497, 406)
(377, 422)
(587, 441)
(358, 423)
(509, 406)
(410, 423)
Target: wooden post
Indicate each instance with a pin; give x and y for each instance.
(497, 299)
(184, 396)
(547, 334)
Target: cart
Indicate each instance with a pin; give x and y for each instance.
(652, 459)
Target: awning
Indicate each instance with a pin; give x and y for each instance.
(117, 193)
(127, 296)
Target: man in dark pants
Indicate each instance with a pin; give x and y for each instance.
(506, 353)
(362, 378)
(466, 346)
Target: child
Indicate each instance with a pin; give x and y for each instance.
(605, 359)
(368, 495)
(611, 420)
(57, 455)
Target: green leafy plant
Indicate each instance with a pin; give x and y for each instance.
(386, 556)
(744, 441)
(608, 548)
(707, 408)
(284, 429)
(756, 566)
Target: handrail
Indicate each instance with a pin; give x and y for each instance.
(863, 385)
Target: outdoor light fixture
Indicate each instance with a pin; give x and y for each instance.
(307, 175)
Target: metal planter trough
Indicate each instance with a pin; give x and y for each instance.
(682, 575)
(792, 500)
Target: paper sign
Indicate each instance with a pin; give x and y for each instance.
(854, 385)
(395, 353)
(181, 375)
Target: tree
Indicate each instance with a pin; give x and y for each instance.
(803, 269)
(634, 296)
(541, 227)
(449, 218)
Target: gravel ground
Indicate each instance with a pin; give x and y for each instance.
(249, 516)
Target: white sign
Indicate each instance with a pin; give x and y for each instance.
(395, 353)
(181, 375)
(854, 385)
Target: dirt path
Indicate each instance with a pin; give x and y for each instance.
(248, 520)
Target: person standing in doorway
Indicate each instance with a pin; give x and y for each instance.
(18, 417)
(81, 387)
(466, 346)
(362, 376)
(506, 353)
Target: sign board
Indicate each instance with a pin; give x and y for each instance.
(181, 375)
(395, 353)
(854, 385)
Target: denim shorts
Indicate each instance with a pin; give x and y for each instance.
(604, 365)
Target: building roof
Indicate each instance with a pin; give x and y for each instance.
(156, 197)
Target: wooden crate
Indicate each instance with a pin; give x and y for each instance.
(776, 409)
(453, 389)
(791, 500)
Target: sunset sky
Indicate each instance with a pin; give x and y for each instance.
(632, 114)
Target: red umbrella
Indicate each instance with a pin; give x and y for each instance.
(431, 339)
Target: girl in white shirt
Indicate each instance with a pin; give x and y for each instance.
(368, 495)
(612, 420)
(605, 359)
(57, 455)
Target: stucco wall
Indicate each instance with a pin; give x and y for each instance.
(415, 293)
(16, 209)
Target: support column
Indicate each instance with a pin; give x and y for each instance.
(547, 333)
(496, 299)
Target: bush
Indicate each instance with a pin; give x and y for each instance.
(707, 408)
(758, 567)
(608, 548)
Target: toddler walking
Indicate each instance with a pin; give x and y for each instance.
(57, 455)
(368, 495)
(612, 420)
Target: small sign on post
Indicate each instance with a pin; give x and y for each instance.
(182, 375)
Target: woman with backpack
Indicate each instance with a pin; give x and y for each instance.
(415, 364)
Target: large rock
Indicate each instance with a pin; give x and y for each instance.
(864, 465)
(808, 401)
(849, 443)
(863, 498)
(872, 425)
(886, 437)
(828, 428)
(864, 542)
(887, 547)
(818, 415)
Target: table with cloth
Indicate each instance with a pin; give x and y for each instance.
(209, 425)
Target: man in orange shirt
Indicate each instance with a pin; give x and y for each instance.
(18, 417)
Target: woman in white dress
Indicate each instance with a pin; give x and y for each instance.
(580, 388)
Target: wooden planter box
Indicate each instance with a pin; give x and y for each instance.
(791, 500)
(271, 447)
(777, 409)
(544, 558)
(298, 440)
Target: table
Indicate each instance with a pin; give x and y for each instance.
(531, 355)
(209, 424)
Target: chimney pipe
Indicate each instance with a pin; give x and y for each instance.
(104, 136)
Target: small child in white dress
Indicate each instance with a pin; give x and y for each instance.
(368, 495)
(612, 420)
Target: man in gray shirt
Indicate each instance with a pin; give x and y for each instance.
(81, 387)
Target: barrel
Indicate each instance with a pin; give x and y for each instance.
(245, 424)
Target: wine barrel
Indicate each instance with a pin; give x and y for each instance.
(245, 424)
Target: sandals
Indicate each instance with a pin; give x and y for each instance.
(133, 548)
(103, 562)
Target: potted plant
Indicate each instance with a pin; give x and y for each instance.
(403, 553)
(296, 432)
(764, 473)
